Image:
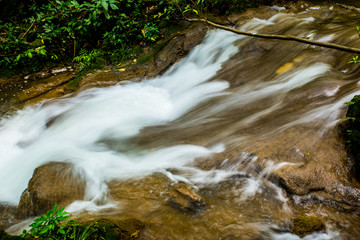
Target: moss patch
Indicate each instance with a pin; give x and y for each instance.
(106, 229)
(304, 225)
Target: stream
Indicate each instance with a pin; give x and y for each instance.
(250, 124)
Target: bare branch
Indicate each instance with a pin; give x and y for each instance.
(279, 37)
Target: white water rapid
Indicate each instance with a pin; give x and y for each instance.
(115, 113)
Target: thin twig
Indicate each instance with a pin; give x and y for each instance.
(28, 30)
(280, 37)
(74, 47)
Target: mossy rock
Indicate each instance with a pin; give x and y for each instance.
(353, 132)
(304, 225)
(109, 230)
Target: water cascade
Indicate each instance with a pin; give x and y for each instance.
(240, 120)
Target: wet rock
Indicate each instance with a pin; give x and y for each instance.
(185, 198)
(177, 48)
(7, 216)
(301, 181)
(46, 86)
(54, 182)
(304, 225)
(194, 36)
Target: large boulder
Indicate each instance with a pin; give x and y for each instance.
(54, 182)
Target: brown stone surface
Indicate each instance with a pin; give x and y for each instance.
(185, 198)
(51, 183)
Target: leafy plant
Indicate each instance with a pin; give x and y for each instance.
(87, 59)
(48, 224)
(355, 60)
(150, 32)
(51, 226)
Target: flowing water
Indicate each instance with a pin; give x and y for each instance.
(224, 120)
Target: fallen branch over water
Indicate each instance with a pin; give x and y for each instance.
(279, 37)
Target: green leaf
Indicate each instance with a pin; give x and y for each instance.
(113, 7)
(105, 5)
(44, 231)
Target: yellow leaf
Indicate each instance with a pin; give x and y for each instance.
(122, 69)
(152, 39)
(134, 60)
(135, 234)
(285, 67)
(143, 32)
(107, 70)
(42, 40)
(298, 59)
(118, 64)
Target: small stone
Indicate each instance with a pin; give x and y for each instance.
(185, 198)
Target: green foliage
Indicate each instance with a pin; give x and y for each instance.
(229, 6)
(62, 30)
(47, 226)
(353, 131)
(42, 32)
(51, 226)
(355, 60)
(87, 59)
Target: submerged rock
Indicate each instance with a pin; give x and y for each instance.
(54, 182)
(185, 198)
(304, 225)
